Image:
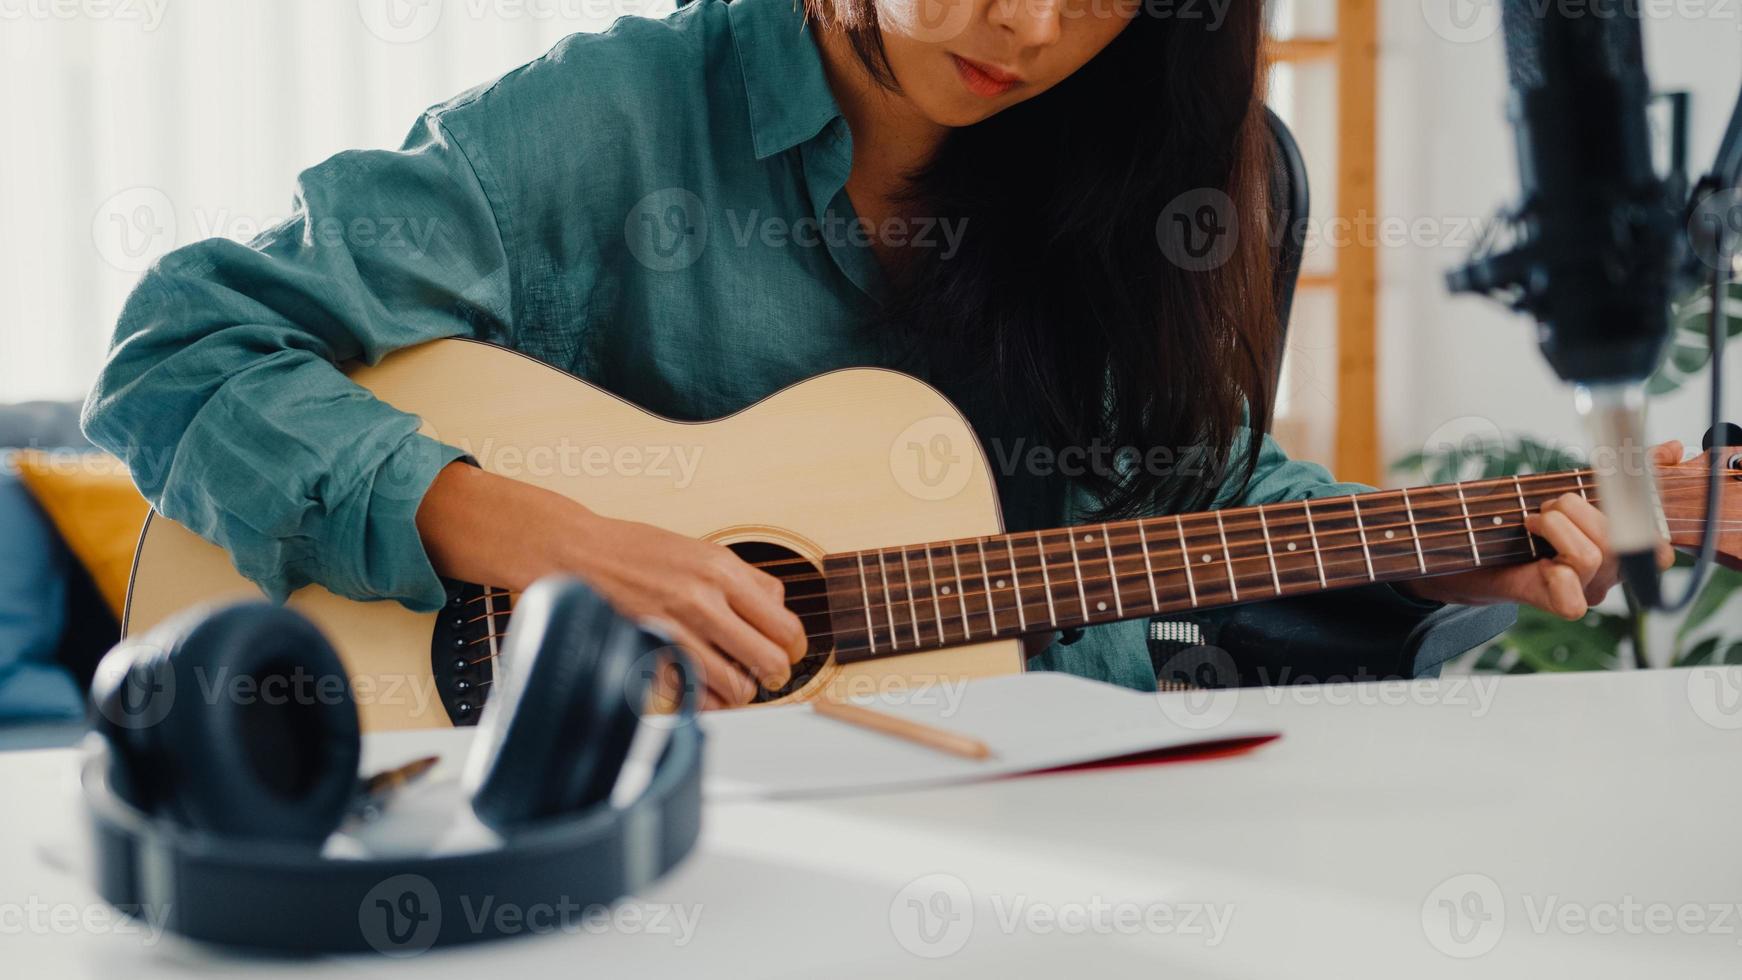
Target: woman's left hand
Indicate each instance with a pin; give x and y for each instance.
(1583, 570)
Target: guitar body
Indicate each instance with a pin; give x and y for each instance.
(856, 459)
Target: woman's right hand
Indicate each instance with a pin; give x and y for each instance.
(728, 616)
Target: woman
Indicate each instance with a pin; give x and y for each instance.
(696, 212)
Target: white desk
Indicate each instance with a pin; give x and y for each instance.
(1595, 809)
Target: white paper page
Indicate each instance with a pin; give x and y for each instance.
(1031, 721)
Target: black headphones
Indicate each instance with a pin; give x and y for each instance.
(209, 810)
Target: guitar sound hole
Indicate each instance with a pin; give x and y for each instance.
(807, 597)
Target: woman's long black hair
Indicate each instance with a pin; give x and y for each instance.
(1070, 288)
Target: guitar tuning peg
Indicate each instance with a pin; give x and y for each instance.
(1728, 434)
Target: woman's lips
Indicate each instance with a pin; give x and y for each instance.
(986, 81)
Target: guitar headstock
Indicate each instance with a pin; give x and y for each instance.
(1682, 490)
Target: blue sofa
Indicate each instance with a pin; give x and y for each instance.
(53, 624)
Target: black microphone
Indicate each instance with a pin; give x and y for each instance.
(1597, 240)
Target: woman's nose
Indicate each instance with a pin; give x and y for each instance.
(1035, 23)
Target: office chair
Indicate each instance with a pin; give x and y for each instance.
(1359, 634)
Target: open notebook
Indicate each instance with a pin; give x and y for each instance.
(1032, 721)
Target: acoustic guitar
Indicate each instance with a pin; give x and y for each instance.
(868, 494)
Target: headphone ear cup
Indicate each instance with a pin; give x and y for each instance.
(238, 723)
(554, 734)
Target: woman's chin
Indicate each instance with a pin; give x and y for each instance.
(964, 109)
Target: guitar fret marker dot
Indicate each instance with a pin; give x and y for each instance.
(999, 583)
(1390, 534)
(1101, 607)
(1088, 537)
(1498, 521)
(1206, 558)
(1293, 547)
(946, 590)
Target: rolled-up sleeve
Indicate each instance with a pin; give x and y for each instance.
(221, 390)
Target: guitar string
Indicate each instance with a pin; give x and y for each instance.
(946, 641)
(1455, 529)
(1239, 525)
(1057, 553)
(1284, 514)
(898, 597)
(1287, 521)
(1506, 557)
(1454, 545)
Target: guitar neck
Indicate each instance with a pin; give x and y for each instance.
(893, 601)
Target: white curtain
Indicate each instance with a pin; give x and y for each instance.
(130, 127)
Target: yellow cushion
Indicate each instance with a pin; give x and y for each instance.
(95, 507)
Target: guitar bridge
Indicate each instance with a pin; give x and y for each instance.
(464, 646)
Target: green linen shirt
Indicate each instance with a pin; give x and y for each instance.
(603, 209)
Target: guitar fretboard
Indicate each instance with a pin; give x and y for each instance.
(900, 600)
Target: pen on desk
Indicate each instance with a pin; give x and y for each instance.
(940, 739)
(374, 792)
